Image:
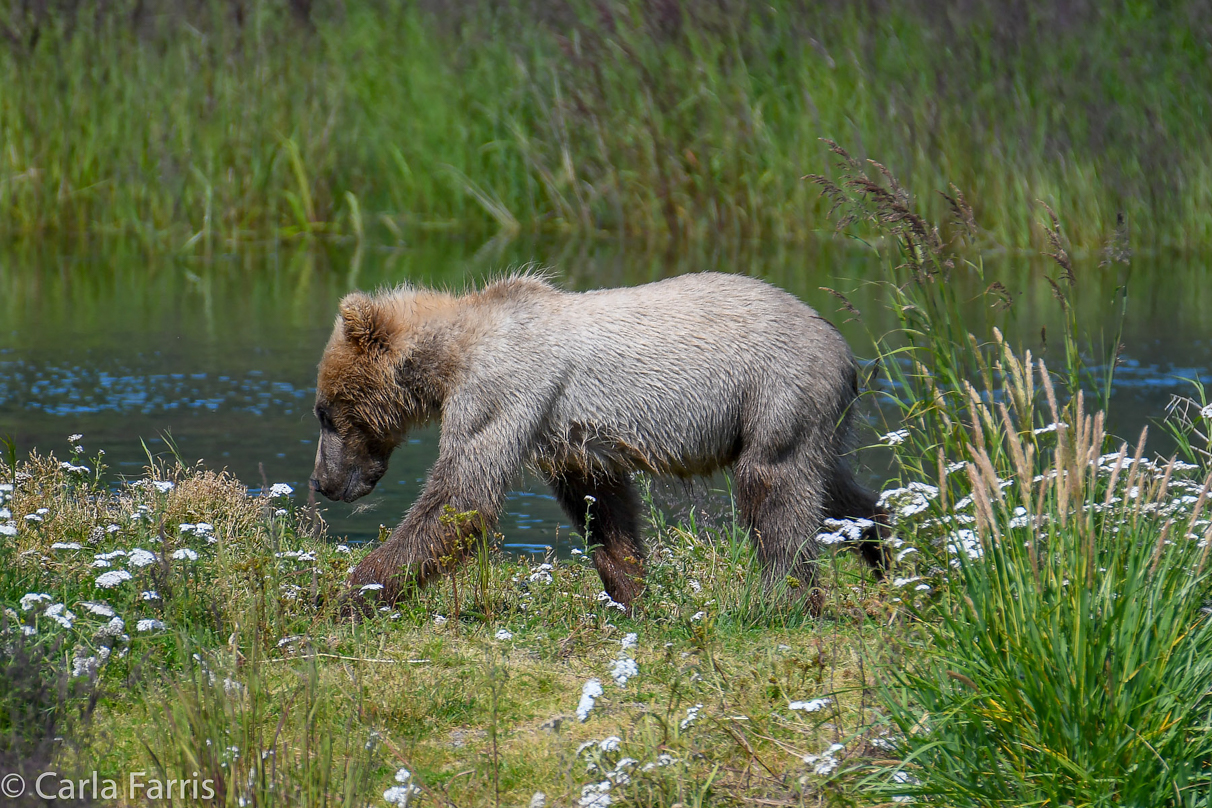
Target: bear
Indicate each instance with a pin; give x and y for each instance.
(681, 377)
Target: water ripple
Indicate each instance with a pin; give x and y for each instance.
(76, 390)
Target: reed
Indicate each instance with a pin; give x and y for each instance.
(206, 123)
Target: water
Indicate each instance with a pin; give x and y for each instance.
(217, 357)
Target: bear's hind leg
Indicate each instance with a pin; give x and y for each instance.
(847, 499)
(610, 523)
(782, 503)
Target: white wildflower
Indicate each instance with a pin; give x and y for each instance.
(504, 634)
(604, 597)
(399, 795)
(150, 594)
(8, 529)
(97, 607)
(185, 554)
(610, 744)
(405, 791)
(33, 517)
(139, 557)
(697, 616)
(113, 628)
(32, 599)
(596, 795)
(899, 582)
(59, 613)
(107, 580)
(342, 548)
(163, 486)
(85, 666)
(623, 669)
(965, 541)
(149, 625)
(692, 714)
(1020, 518)
(589, 696)
(904, 778)
(630, 640)
(539, 800)
(815, 705)
(66, 545)
(439, 620)
(850, 528)
(1206, 412)
(280, 490)
(910, 500)
(370, 587)
(895, 438)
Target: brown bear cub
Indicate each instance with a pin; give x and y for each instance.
(680, 377)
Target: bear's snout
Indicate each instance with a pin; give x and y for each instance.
(347, 487)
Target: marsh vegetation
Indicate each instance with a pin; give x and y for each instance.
(1044, 636)
(207, 121)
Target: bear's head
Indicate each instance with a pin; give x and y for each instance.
(363, 401)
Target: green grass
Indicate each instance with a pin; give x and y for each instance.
(1042, 640)
(252, 680)
(1056, 578)
(188, 126)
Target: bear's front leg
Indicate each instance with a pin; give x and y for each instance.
(432, 538)
(461, 500)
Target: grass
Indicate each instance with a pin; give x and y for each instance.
(1059, 577)
(200, 124)
(250, 679)
(1043, 639)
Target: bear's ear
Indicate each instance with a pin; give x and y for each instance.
(367, 326)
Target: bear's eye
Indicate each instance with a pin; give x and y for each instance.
(325, 421)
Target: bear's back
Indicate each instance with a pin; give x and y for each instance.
(679, 369)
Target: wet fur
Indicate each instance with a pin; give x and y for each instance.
(680, 377)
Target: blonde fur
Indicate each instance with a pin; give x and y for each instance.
(680, 377)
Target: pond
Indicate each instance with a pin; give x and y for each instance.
(142, 352)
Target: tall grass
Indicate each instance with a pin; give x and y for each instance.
(204, 122)
(1056, 644)
(1066, 661)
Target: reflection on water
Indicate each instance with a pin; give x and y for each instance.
(124, 347)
